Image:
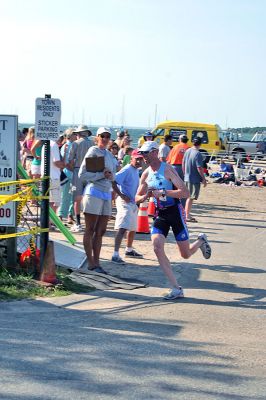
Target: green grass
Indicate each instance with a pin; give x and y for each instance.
(17, 286)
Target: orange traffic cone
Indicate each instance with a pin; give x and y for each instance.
(48, 274)
(151, 207)
(143, 220)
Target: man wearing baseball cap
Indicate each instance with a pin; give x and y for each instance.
(161, 181)
(193, 175)
(126, 184)
(76, 155)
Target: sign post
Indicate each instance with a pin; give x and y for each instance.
(47, 127)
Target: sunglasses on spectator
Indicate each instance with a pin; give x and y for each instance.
(105, 135)
(144, 153)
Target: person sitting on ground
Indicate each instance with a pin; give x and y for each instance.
(226, 167)
(162, 182)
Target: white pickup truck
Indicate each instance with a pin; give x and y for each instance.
(240, 148)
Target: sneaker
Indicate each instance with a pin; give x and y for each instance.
(133, 253)
(174, 294)
(118, 260)
(76, 228)
(205, 247)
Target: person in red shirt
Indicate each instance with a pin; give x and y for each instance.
(175, 157)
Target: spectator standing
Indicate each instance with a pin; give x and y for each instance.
(148, 136)
(193, 175)
(120, 137)
(165, 148)
(127, 156)
(26, 151)
(77, 153)
(66, 209)
(56, 164)
(97, 199)
(126, 185)
(176, 155)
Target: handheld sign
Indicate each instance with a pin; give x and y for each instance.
(47, 118)
(8, 166)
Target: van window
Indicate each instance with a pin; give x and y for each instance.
(201, 134)
(175, 133)
(158, 132)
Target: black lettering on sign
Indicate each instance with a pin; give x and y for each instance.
(3, 124)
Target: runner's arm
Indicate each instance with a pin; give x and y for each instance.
(181, 192)
(143, 193)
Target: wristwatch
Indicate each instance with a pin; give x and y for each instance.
(163, 191)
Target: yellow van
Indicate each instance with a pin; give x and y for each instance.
(209, 134)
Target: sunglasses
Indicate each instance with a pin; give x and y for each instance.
(145, 153)
(105, 136)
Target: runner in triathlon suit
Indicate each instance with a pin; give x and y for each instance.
(161, 181)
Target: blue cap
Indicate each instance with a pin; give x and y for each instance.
(148, 133)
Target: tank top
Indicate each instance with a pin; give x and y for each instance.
(157, 180)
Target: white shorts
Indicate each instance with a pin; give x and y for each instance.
(93, 205)
(55, 192)
(127, 215)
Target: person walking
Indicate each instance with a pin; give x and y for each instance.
(126, 184)
(161, 181)
(97, 199)
(165, 147)
(193, 175)
(76, 156)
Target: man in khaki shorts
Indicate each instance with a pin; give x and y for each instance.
(193, 175)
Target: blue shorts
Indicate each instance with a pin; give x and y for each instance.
(171, 217)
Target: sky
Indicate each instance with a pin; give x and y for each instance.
(135, 62)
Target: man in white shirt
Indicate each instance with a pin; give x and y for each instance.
(165, 147)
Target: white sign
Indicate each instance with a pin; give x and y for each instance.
(47, 118)
(8, 165)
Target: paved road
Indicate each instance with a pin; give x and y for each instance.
(132, 345)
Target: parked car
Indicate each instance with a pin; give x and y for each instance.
(240, 148)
